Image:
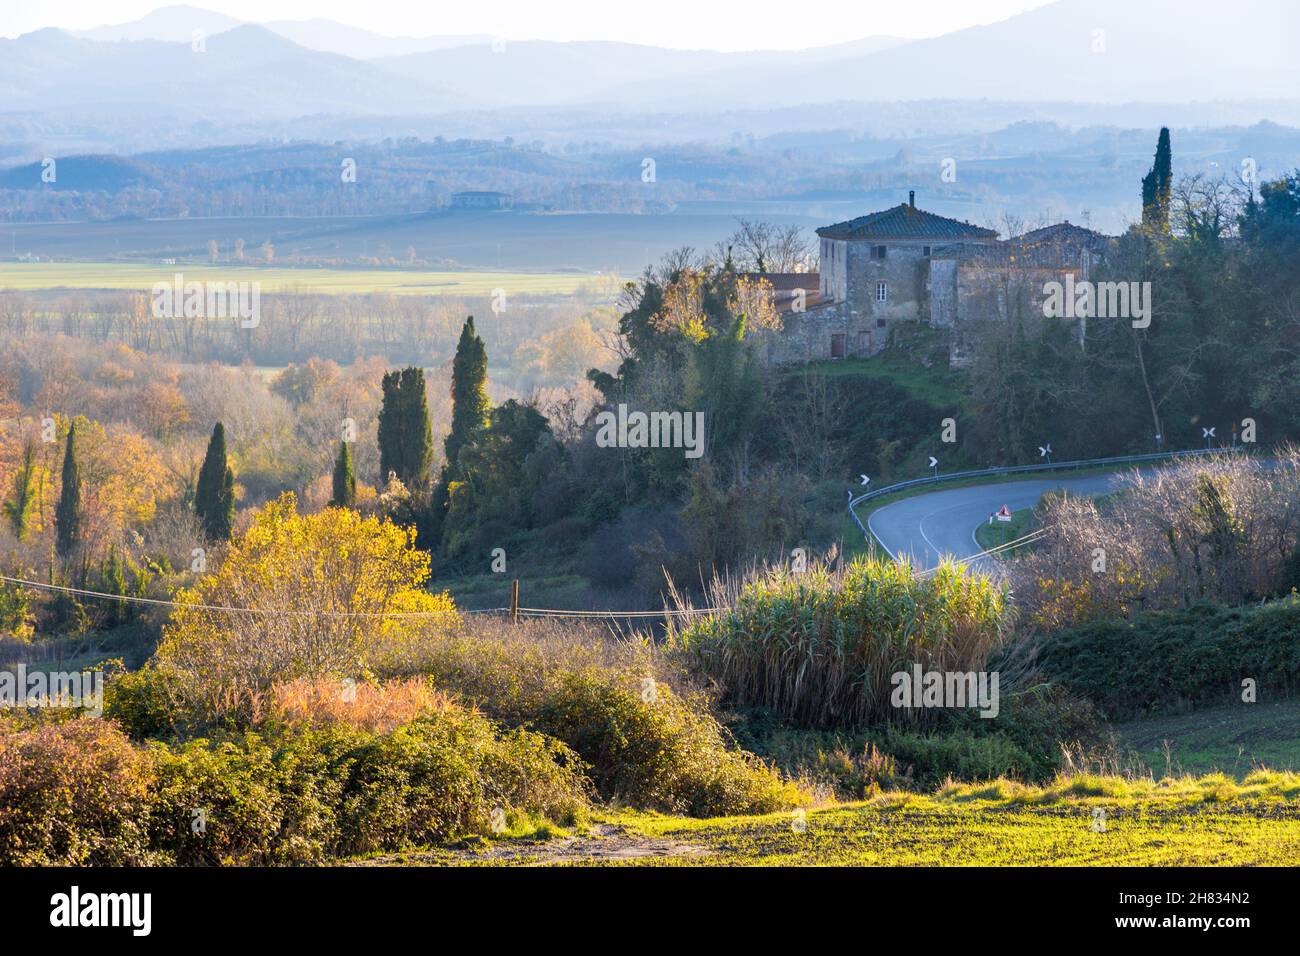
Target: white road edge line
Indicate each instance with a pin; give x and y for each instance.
(879, 540)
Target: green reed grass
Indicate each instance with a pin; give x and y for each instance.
(819, 647)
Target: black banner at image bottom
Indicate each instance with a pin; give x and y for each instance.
(140, 906)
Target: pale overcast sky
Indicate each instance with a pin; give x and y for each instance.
(685, 24)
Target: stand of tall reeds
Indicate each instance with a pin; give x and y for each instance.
(820, 647)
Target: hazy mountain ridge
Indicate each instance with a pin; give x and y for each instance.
(123, 92)
(253, 68)
(1084, 50)
(176, 24)
(596, 71)
(248, 69)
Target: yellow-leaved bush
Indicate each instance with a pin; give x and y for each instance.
(299, 596)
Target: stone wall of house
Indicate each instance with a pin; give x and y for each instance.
(831, 281)
(982, 295)
(854, 310)
(942, 285)
(1001, 293)
(951, 287)
(825, 331)
(903, 270)
(807, 336)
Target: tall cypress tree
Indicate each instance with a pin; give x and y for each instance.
(390, 427)
(214, 496)
(19, 511)
(1158, 187)
(67, 517)
(469, 399)
(345, 480)
(469, 415)
(405, 437)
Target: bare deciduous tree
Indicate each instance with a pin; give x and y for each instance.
(767, 247)
(1222, 529)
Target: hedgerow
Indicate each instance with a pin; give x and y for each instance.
(1169, 660)
(80, 792)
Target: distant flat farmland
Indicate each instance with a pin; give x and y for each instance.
(32, 276)
(584, 243)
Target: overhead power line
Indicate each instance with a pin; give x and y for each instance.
(162, 602)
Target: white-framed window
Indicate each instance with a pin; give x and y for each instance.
(882, 292)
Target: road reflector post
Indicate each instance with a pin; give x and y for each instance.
(514, 601)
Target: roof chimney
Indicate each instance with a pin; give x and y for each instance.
(911, 198)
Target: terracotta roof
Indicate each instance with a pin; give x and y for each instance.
(787, 281)
(1067, 234)
(1060, 246)
(786, 284)
(905, 221)
(1016, 254)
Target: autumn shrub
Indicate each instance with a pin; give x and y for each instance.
(445, 774)
(73, 792)
(369, 706)
(1024, 743)
(647, 739)
(15, 615)
(149, 703)
(649, 747)
(313, 795)
(820, 647)
(508, 670)
(927, 759)
(858, 773)
(298, 596)
(1041, 718)
(78, 792)
(223, 803)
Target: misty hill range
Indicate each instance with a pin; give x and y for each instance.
(1090, 51)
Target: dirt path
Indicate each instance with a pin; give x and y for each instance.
(603, 843)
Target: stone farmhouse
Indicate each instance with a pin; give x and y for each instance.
(904, 265)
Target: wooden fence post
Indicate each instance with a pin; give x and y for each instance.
(514, 601)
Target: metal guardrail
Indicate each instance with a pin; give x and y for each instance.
(1016, 470)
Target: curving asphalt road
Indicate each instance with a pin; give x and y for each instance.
(930, 526)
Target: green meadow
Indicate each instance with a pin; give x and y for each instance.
(32, 276)
(1077, 821)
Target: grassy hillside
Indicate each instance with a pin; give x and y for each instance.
(1168, 662)
(1232, 739)
(936, 385)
